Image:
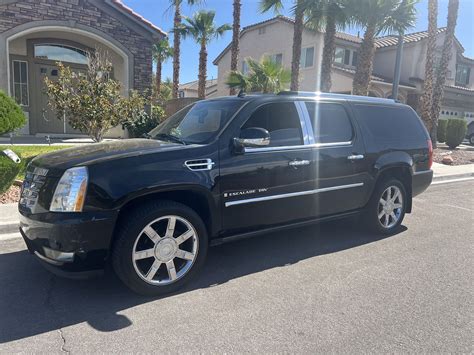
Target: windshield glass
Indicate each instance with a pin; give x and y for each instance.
(197, 123)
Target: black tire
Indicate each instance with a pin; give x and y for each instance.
(373, 208)
(130, 229)
(471, 139)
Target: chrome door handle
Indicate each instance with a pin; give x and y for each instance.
(355, 157)
(296, 163)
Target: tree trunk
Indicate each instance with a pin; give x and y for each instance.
(202, 71)
(176, 45)
(427, 97)
(297, 38)
(158, 77)
(235, 40)
(360, 85)
(329, 51)
(446, 55)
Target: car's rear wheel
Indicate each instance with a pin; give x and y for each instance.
(159, 248)
(387, 206)
(471, 139)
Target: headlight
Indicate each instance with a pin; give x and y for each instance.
(70, 193)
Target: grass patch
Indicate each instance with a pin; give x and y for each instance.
(28, 152)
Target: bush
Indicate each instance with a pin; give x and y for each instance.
(442, 125)
(8, 172)
(145, 123)
(455, 132)
(11, 115)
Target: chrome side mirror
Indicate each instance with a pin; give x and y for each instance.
(253, 137)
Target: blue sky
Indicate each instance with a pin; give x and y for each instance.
(157, 12)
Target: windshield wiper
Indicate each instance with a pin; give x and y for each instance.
(170, 137)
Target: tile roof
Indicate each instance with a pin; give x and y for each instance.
(376, 77)
(124, 8)
(459, 88)
(388, 41)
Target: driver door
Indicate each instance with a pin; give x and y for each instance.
(267, 186)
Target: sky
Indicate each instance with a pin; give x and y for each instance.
(158, 12)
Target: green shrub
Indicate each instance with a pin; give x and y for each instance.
(455, 132)
(8, 172)
(11, 115)
(145, 123)
(442, 125)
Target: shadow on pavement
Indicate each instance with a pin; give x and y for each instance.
(32, 301)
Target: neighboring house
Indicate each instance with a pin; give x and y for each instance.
(35, 35)
(191, 89)
(274, 38)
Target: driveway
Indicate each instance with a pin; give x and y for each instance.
(326, 288)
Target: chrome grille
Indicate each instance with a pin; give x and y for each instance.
(31, 187)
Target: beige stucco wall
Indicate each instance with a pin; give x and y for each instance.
(278, 38)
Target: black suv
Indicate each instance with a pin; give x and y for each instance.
(217, 170)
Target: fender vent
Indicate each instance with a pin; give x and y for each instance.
(199, 164)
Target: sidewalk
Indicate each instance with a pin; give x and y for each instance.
(9, 212)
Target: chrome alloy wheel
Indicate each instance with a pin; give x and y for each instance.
(165, 250)
(390, 207)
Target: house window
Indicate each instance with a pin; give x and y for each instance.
(307, 57)
(462, 74)
(181, 94)
(20, 82)
(245, 68)
(261, 30)
(276, 58)
(60, 53)
(343, 56)
(355, 57)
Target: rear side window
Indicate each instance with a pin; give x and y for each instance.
(281, 120)
(331, 123)
(387, 124)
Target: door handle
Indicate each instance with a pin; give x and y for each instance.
(295, 163)
(355, 157)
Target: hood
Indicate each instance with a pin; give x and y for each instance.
(98, 152)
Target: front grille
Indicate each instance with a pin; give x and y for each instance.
(34, 180)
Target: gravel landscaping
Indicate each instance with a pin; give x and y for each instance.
(459, 156)
(11, 196)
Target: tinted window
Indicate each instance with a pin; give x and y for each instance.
(331, 124)
(198, 123)
(281, 120)
(385, 123)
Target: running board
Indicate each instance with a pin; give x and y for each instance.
(222, 240)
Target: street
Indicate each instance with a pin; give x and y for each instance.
(325, 288)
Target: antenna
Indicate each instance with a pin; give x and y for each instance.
(241, 93)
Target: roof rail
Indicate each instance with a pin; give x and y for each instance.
(299, 93)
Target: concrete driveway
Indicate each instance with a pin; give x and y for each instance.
(327, 288)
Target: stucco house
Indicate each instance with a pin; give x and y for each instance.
(191, 89)
(35, 35)
(274, 38)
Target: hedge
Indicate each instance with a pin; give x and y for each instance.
(8, 172)
(11, 115)
(455, 132)
(442, 126)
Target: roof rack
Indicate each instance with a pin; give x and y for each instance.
(299, 93)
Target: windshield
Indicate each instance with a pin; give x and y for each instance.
(197, 123)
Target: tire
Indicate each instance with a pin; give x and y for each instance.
(471, 139)
(153, 255)
(375, 208)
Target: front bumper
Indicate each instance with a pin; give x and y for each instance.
(74, 245)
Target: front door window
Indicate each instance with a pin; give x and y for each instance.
(60, 53)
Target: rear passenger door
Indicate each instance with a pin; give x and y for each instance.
(337, 157)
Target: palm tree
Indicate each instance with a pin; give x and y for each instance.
(203, 29)
(234, 56)
(427, 97)
(177, 41)
(265, 76)
(161, 53)
(299, 12)
(330, 14)
(378, 16)
(438, 89)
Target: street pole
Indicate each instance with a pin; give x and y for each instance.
(398, 66)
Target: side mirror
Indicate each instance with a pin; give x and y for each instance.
(252, 137)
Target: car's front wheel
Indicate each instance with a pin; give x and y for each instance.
(159, 247)
(386, 208)
(471, 139)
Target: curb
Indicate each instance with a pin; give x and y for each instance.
(452, 177)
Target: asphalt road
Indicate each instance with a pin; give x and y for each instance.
(328, 288)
